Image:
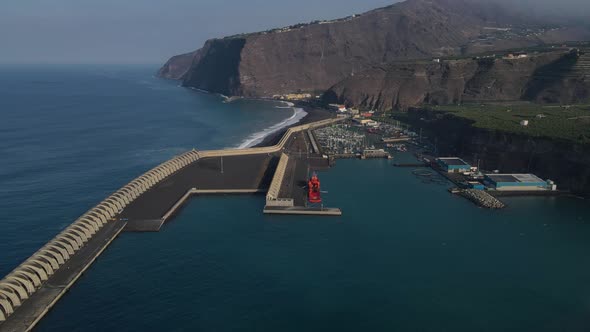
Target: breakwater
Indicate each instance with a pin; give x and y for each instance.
(482, 198)
(33, 287)
(272, 197)
(27, 278)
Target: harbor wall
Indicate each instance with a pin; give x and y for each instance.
(22, 282)
(277, 180)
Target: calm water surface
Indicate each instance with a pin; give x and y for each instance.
(405, 256)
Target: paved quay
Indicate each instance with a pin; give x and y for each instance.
(299, 210)
(302, 157)
(252, 172)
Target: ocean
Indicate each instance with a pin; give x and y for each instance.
(405, 256)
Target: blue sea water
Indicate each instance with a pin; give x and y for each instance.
(71, 135)
(405, 256)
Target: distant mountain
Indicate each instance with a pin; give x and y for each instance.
(314, 57)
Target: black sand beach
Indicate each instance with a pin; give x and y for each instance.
(313, 114)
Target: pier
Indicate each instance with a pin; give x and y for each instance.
(145, 204)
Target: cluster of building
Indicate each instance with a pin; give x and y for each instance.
(494, 181)
(513, 56)
(341, 108)
(366, 122)
(354, 112)
(358, 117)
(294, 96)
(348, 18)
(302, 25)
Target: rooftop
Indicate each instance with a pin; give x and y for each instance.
(514, 178)
(454, 161)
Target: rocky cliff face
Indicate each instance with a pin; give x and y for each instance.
(313, 57)
(178, 65)
(564, 162)
(557, 77)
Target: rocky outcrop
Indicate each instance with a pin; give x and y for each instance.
(313, 57)
(178, 65)
(556, 77)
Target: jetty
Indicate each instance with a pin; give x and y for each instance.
(29, 291)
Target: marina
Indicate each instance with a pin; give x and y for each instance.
(355, 138)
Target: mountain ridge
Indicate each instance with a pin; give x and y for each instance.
(316, 56)
(545, 78)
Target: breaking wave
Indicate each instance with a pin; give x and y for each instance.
(256, 138)
(288, 103)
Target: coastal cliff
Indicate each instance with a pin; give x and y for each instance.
(178, 65)
(313, 57)
(553, 77)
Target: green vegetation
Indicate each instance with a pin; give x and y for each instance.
(570, 123)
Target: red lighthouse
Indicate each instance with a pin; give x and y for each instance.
(313, 187)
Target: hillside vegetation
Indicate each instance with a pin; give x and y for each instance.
(570, 123)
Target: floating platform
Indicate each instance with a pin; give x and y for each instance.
(302, 210)
(411, 165)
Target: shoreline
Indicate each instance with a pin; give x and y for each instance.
(314, 114)
(257, 137)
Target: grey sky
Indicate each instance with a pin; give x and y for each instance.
(144, 31)
(150, 31)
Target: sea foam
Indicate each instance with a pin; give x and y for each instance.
(258, 137)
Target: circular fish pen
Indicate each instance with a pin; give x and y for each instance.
(429, 177)
(420, 172)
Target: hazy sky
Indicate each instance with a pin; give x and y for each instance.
(144, 31)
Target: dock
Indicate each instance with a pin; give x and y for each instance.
(413, 165)
(287, 192)
(145, 204)
(300, 210)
